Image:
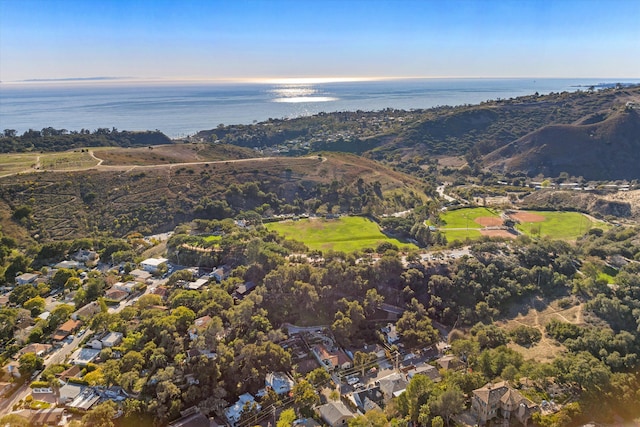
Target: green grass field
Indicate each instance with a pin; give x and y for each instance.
(346, 234)
(461, 235)
(464, 218)
(67, 160)
(560, 225)
(13, 163)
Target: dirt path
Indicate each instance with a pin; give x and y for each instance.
(128, 168)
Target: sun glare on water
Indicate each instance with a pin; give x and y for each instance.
(298, 94)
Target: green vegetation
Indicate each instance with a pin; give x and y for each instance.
(465, 218)
(346, 234)
(50, 139)
(461, 235)
(559, 225)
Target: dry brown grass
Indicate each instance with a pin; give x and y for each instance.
(536, 313)
(527, 217)
(498, 233)
(488, 221)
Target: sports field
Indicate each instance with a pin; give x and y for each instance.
(345, 234)
(469, 218)
(557, 225)
(463, 224)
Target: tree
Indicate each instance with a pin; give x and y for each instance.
(286, 419)
(94, 378)
(416, 394)
(132, 360)
(101, 415)
(363, 360)
(35, 305)
(29, 363)
(449, 403)
(437, 421)
(318, 377)
(61, 277)
(305, 397)
(22, 293)
(373, 418)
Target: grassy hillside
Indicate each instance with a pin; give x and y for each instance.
(609, 149)
(118, 199)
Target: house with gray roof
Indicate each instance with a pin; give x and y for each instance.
(335, 414)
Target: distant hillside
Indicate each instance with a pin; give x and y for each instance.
(396, 136)
(606, 150)
(50, 139)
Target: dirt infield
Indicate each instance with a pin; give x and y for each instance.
(488, 221)
(527, 217)
(498, 233)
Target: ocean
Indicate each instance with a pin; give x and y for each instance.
(182, 109)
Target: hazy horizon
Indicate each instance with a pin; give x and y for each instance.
(250, 41)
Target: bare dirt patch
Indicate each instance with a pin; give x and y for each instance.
(489, 221)
(498, 233)
(526, 217)
(536, 313)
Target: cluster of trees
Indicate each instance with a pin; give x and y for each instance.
(50, 139)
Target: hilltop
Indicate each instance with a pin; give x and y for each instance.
(606, 150)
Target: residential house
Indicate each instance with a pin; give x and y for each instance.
(116, 294)
(128, 287)
(279, 382)
(66, 329)
(73, 265)
(390, 333)
(234, 412)
(379, 350)
(85, 400)
(220, 273)
(244, 290)
(191, 417)
(26, 278)
(161, 291)
(84, 356)
(112, 339)
(68, 392)
(450, 362)
(140, 275)
(38, 349)
(85, 255)
(392, 386)
(196, 285)
(335, 414)
(426, 370)
(72, 372)
(87, 311)
(199, 325)
(493, 400)
(369, 399)
(152, 265)
(331, 359)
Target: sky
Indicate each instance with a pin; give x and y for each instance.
(276, 39)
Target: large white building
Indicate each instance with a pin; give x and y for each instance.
(153, 264)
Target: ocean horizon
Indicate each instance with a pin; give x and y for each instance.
(179, 109)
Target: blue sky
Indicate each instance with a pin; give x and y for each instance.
(235, 39)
